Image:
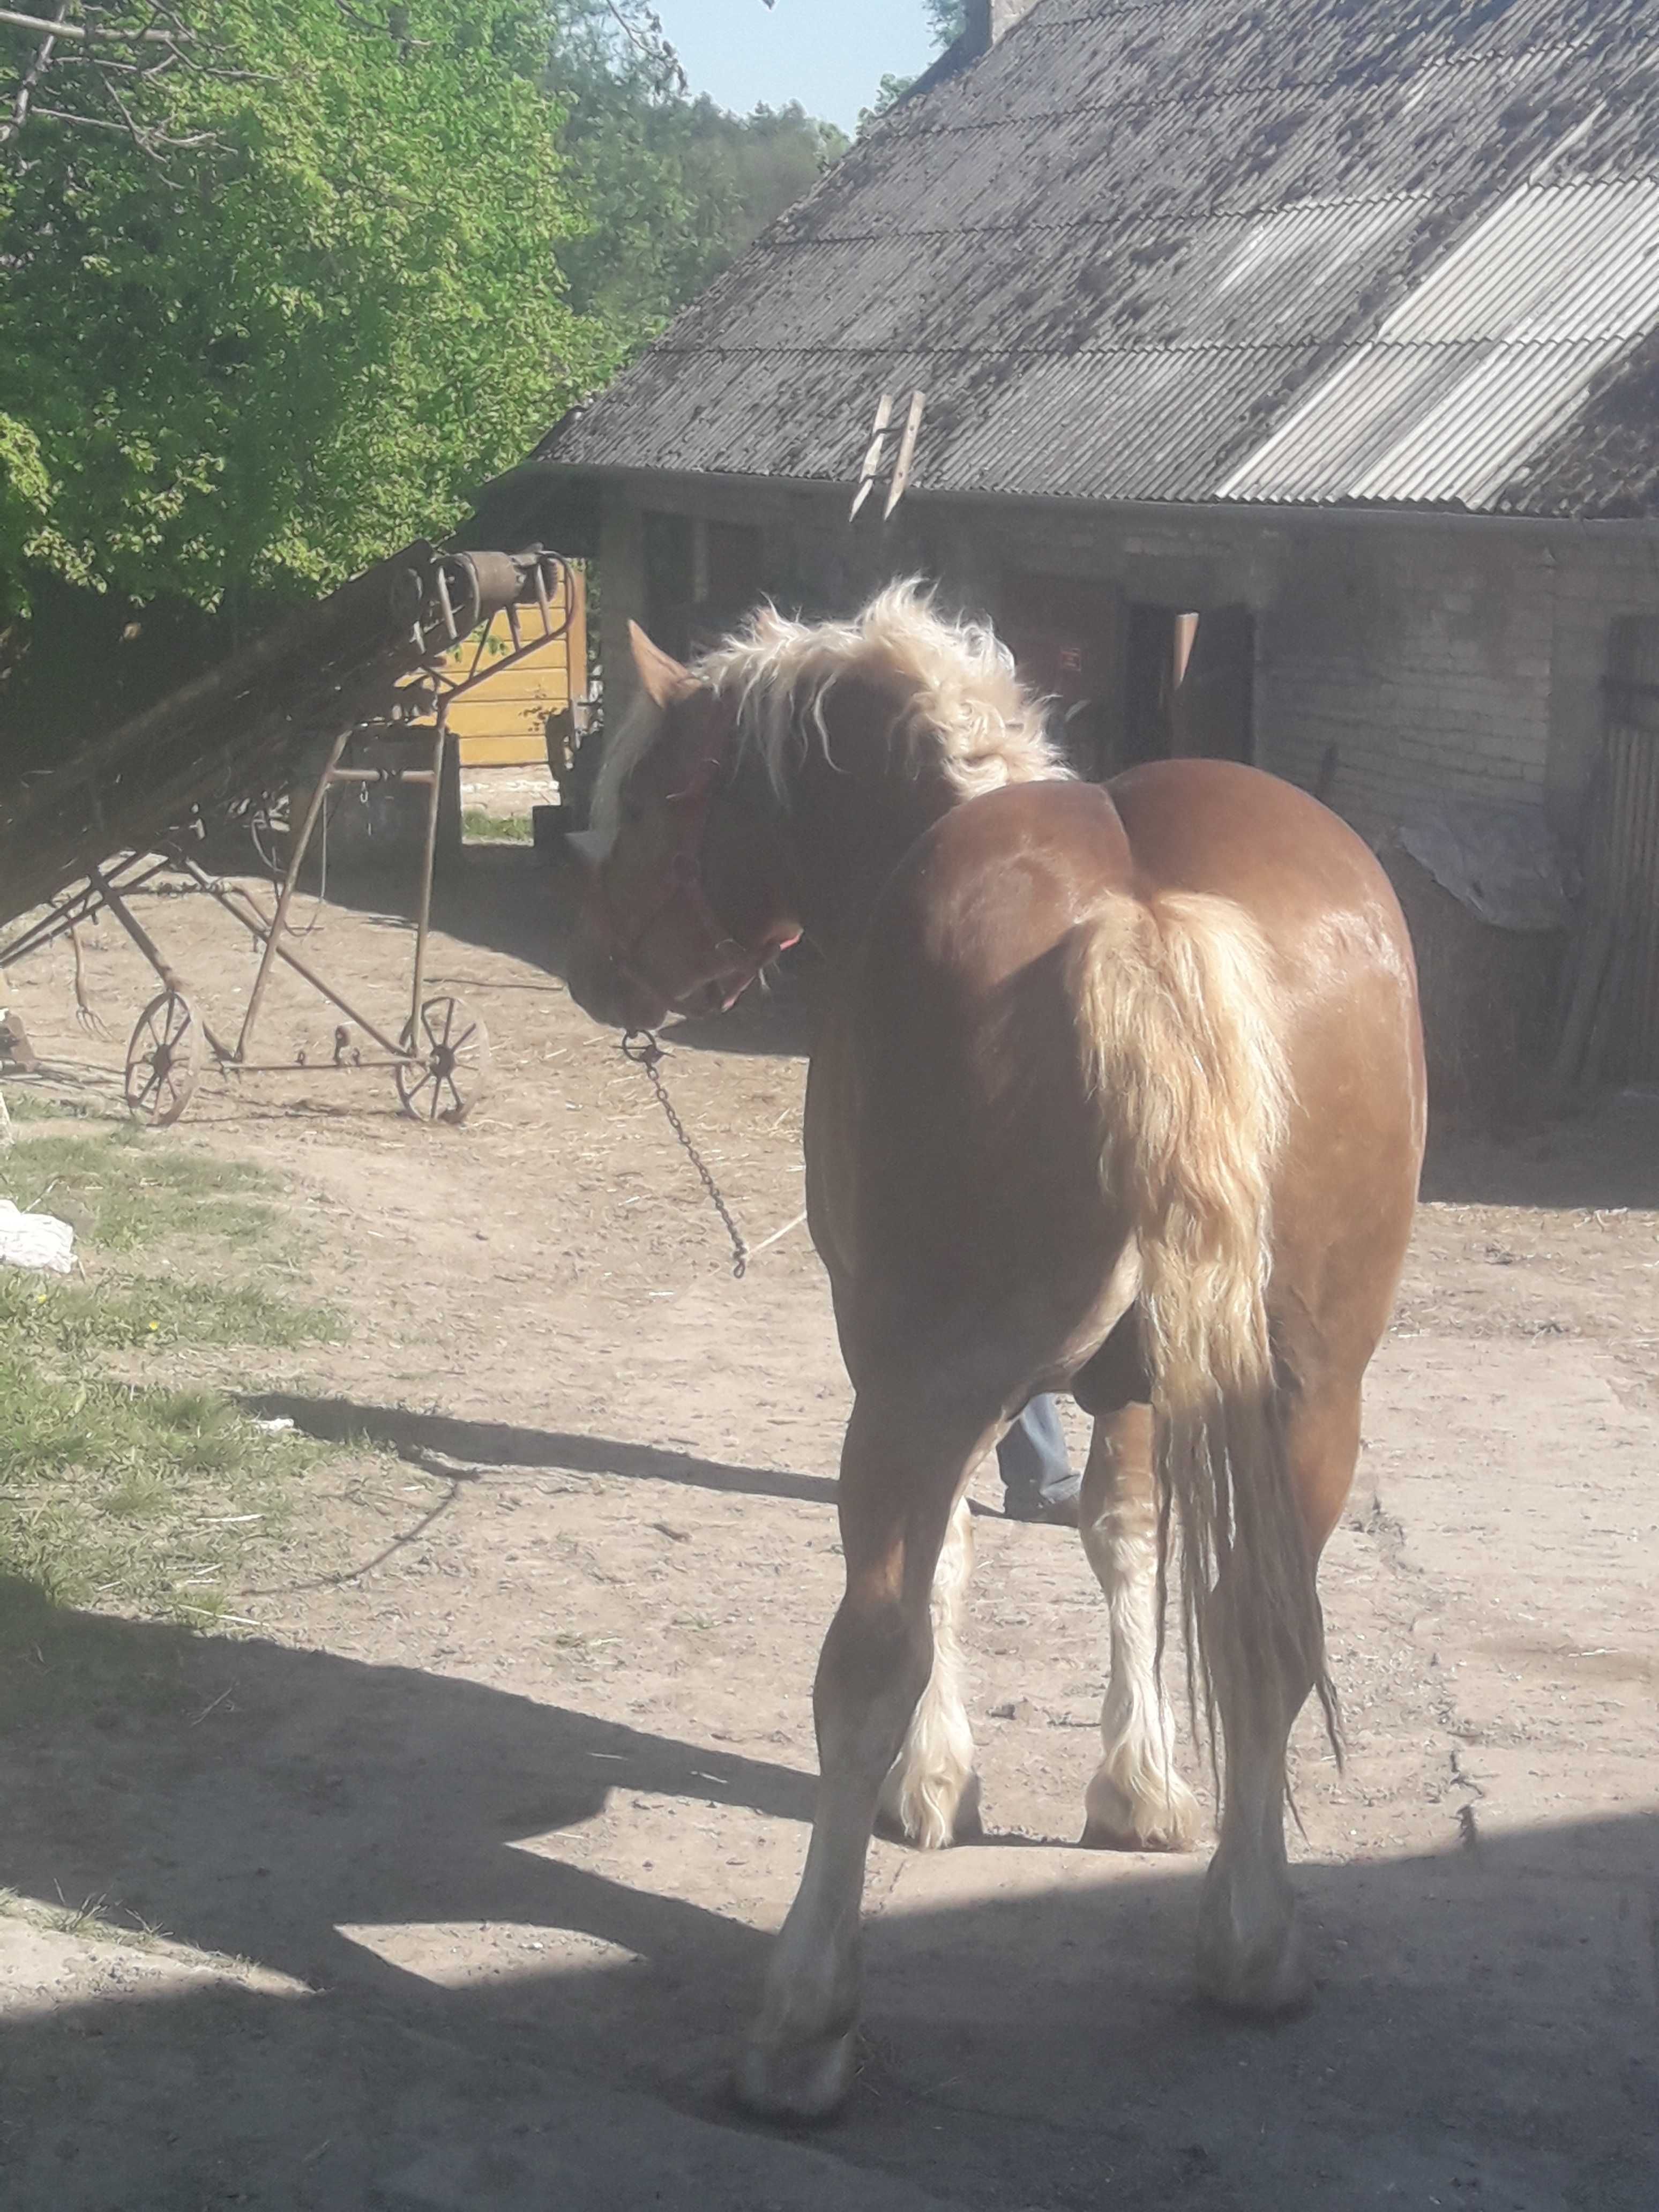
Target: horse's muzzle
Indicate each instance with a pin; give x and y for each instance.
(608, 994)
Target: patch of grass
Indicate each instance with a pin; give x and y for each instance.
(56, 1663)
(117, 1498)
(496, 828)
(138, 1499)
(31, 1106)
(124, 1190)
(93, 1918)
(74, 1319)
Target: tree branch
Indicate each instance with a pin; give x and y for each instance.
(32, 76)
(148, 140)
(56, 28)
(648, 42)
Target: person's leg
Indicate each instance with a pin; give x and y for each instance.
(1039, 1483)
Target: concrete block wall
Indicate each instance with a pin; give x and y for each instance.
(1435, 654)
(1464, 659)
(1423, 658)
(1602, 578)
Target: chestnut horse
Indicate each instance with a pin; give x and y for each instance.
(1118, 1090)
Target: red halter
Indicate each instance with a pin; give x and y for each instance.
(685, 889)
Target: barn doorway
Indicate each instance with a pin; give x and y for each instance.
(1189, 683)
(1066, 636)
(1134, 680)
(1623, 848)
(701, 579)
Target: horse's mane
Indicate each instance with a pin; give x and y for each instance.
(957, 703)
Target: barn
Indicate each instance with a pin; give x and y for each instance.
(1282, 378)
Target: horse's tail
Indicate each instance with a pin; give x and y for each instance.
(1181, 1030)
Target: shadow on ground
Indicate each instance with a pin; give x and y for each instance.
(444, 1445)
(513, 901)
(1601, 1160)
(1485, 2034)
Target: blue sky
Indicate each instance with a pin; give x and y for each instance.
(830, 55)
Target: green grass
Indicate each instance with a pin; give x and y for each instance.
(496, 828)
(29, 1106)
(119, 1496)
(128, 1189)
(143, 1498)
(72, 1320)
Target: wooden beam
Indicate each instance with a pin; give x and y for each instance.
(907, 453)
(872, 467)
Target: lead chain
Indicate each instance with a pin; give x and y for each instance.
(640, 1046)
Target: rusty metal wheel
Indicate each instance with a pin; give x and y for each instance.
(448, 1071)
(162, 1053)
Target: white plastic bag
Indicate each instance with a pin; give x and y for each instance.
(35, 1240)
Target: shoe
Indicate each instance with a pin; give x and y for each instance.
(1058, 1511)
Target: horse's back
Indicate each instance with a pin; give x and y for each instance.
(1237, 833)
(1348, 1184)
(1002, 878)
(965, 995)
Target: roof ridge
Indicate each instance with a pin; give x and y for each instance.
(907, 133)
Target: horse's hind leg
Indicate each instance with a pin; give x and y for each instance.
(932, 1793)
(901, 1473)
(1249, 1957)
(1136, 1801)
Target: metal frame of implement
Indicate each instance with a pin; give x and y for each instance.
(441, 1057)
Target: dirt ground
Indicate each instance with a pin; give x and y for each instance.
(469, 1847)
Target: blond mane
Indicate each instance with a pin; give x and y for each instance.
(957, 703)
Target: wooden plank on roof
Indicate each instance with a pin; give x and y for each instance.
(907, 453)
(878, 446)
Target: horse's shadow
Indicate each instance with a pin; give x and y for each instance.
(254, 1800)
(265, 1802)
(442, 1443)
(463, 1451)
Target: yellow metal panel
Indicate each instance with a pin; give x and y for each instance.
(503, 752)
(502, 721)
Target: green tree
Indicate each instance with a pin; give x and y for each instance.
(947, 19)
(674, 188)
(270, 309)
(285, 323)
(284, 280)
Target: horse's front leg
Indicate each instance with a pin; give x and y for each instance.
(900, 1479)
(931, 1795)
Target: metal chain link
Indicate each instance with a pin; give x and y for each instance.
(642, 1047)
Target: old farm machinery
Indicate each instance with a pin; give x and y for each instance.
(380, 656)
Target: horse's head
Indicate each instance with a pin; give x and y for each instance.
(682, 908)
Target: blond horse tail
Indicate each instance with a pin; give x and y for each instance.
(1185, 1062)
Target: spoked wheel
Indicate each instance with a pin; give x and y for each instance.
(448, 1071)
(161, 1060)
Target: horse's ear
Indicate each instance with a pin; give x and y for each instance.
(664, 679)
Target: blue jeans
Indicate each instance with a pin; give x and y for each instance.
(1032, 1457)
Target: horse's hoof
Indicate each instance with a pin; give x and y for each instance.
(904, 1820)
(800, 2083)
(1114, 1821)
(968, 1826)
(1267, 1980)
(1106, 1835)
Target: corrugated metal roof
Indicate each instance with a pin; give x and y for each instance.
(1495, 349)
(1211, 250)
